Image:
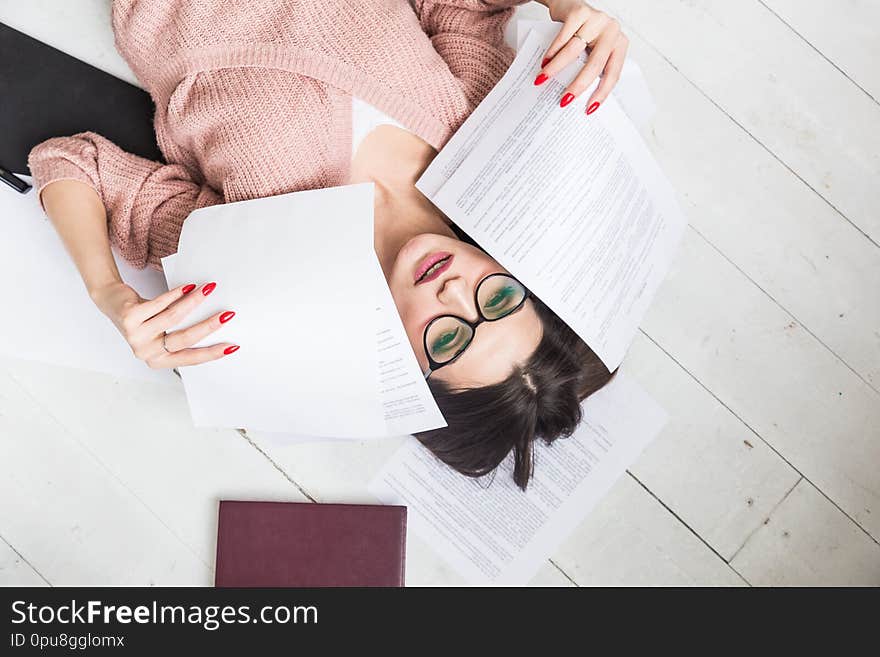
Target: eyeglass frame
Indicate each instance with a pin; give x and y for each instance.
(433, 365)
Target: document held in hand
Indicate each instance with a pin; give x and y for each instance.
(575, 206)
(323, 350)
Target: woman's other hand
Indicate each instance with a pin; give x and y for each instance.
(584, 26)
(143, 323)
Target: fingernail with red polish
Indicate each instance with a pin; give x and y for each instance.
(188, 288)
(566, 99)
(225, 317)
(544, 62)
(541, 79)
(208, 288)
(231, 350)
(593, 108)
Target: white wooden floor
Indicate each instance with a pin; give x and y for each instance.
(763, 345)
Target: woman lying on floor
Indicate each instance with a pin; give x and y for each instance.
(266, 97)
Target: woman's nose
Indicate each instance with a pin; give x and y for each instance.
(458, 299)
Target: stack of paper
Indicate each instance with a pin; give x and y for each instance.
(323, 351)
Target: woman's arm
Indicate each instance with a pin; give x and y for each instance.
(80, 220)
(146, 202)
(86, 185)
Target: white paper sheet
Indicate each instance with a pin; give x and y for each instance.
(489, 530)
(300, 271)
(295, 269)
(50, 317)
(631, 91)
(407, 404)
(578, 209)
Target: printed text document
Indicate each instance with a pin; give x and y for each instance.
(492, 532)
(574, 206)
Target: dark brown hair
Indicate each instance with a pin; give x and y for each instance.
(540, 399)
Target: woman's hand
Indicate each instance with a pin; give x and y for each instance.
(143, 324)
(584, 26)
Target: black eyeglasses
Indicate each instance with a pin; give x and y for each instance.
(447, 337)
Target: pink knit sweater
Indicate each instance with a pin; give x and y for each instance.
(253, 98)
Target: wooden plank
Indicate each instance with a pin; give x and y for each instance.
(768, 223)
(15, 571)
(143, 434)
(774, 375)
(631, 540)
(710, 469)
(778, 88)
(70, 517)
(807, 541)
(339, 471)
(844, 32)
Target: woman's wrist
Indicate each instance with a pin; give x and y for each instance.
(101, 287)
(114, 299)
(101, 292)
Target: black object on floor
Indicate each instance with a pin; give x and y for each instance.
(46, 93)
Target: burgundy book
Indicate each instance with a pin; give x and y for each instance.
(281, 544)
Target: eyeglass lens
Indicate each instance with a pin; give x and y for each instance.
(497, 296)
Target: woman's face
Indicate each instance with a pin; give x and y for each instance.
(448, 289)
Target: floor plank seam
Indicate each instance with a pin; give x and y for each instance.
(689, 528)
(766, 518)
(819, 52)
(755, 139)
(562, 570)
(275, 465)
(787, 311)
(853, 520)
(721, 401)
(113, 475)
(22, 557)
(763, 440)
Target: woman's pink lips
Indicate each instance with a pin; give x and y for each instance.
(429, 262)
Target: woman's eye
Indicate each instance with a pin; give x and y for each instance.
(499, 297)
(444, 340)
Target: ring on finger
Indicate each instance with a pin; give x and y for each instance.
(586, 43)
(165, 346)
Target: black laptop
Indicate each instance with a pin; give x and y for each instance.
(45, 93)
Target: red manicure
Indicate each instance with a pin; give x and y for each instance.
(593, 108)
(231, 350)
(541, 79)
(225, 317)
(544, 61)
(188, 288)
(208, 288)
(566, 99)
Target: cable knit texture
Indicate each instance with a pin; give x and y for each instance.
(253, 99)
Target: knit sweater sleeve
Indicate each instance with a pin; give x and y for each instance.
(469, 35)
(146, 201)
